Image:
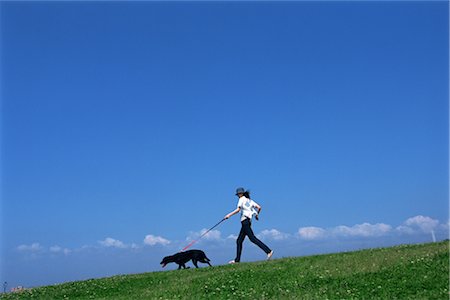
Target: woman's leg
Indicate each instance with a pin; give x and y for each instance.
(239, 242)
(249, 232)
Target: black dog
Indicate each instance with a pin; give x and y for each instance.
(181, 258)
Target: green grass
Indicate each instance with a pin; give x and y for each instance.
(401, 272)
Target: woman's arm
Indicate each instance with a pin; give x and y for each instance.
(258, 207)
(233, 213)
(258, 210)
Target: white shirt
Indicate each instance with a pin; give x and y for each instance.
(247, 208)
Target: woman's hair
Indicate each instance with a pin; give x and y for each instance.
(247, 194)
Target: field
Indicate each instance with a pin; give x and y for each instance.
(402, 272)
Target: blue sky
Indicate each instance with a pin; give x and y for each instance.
(126, 128)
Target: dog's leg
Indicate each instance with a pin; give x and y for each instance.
(206, 261)
(179, 266)
(194, 261)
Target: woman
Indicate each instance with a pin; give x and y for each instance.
(247, 208)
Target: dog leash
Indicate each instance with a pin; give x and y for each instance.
(194, 241)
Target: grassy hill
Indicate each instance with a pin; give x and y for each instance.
(402, 272)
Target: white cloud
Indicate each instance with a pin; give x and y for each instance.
(154, 240)
(35, 247)
(445, 226)
(58, 249)
(112, 243)
(418, 224)
(414, 225)
(311, 233)
(134, 246)
(213, 235)
(358, 230)
(405, 229)
(363, 230)
(55, 249)
(273, 234)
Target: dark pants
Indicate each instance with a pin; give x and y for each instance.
(246, 230)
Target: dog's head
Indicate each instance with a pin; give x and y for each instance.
(166, 260)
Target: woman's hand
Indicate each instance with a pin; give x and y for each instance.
(226, 217)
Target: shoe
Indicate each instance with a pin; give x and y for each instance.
(269, 255)
(231, 262)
